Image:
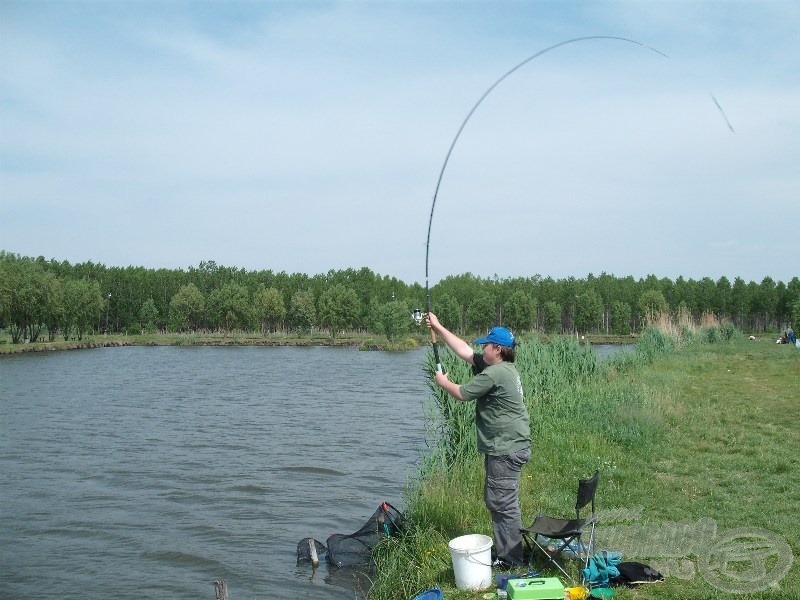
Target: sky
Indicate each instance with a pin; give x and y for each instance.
(304, 137)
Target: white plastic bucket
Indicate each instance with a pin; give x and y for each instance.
(472, 561)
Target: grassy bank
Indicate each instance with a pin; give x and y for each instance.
(696, 437)
(363, 341)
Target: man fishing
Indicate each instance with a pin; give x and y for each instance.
(503, 428)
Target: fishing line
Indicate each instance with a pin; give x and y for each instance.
(722, 112)
(458, 134)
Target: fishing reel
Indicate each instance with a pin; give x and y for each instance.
(417, 316)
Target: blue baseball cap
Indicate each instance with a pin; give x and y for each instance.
(498, 335)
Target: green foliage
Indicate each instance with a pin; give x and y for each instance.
(652, 302)
(726, 332)
(449, 311)
(268, 308)
(148, 316)
(229, 306)
(481, 313)
(588, 311)
(652, 344)
(25, 297)
(414, 558)
(450, 423)
(187, 308)
(302, 312)
(466, 303)
(339, 308)
(620, 318)
(551, 317)
(393, 319)
(83, 304)
(519, 312)
(54, 315)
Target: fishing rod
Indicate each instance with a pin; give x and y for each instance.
(458, 134)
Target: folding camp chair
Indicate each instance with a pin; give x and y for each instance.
(566, 533)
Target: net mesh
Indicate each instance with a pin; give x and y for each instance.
(355, 549)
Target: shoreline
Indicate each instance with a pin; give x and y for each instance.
(7, 348)
(363, 343)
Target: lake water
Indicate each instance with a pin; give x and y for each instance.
(608, 350)
(152, 471)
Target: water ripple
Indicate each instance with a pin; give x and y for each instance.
(153, 471)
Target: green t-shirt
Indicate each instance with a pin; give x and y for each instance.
(501, 418)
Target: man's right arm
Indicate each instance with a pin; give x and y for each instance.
(462, 349)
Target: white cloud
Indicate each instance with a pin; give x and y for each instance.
(308, 137)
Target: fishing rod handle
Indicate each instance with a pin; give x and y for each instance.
(439, 368)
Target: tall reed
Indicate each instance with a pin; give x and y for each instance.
(549, 372)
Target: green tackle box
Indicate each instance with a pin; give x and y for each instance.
(538, 588)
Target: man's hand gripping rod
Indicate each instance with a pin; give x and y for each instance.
(439, 368)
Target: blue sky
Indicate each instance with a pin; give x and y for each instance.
(309, 136)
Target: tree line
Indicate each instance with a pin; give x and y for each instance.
(40, 297)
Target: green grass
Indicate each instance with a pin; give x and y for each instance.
(695, 437)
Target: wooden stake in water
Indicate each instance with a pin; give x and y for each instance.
(221, 589)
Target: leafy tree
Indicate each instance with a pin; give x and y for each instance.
(25, 296)
(782, 310)
(186, 308)
(54, 314)
(269, 308)
(463, 288)
(706, 298)
(69, 298)
(620, 318)
(568, 298)
(796, 315)
(683, 294)
(651, 303)
(229, 306)
(588, 311)
(793, 293)
(519, 311)
(339, 308)
(482, 313)
(5, 295)
(302, 313)
(765, 300)
(551, 317)
(32, 297)
(82, 306)
(723, 297)
(148, 315)
(89, 307)
(448, 310)
(605, 286)
(394, 318)
(740, 303)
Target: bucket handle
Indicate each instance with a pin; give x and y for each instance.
(471, 557)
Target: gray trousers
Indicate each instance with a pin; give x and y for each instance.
(501, 494)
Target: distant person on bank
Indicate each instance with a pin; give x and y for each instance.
(502, 424)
